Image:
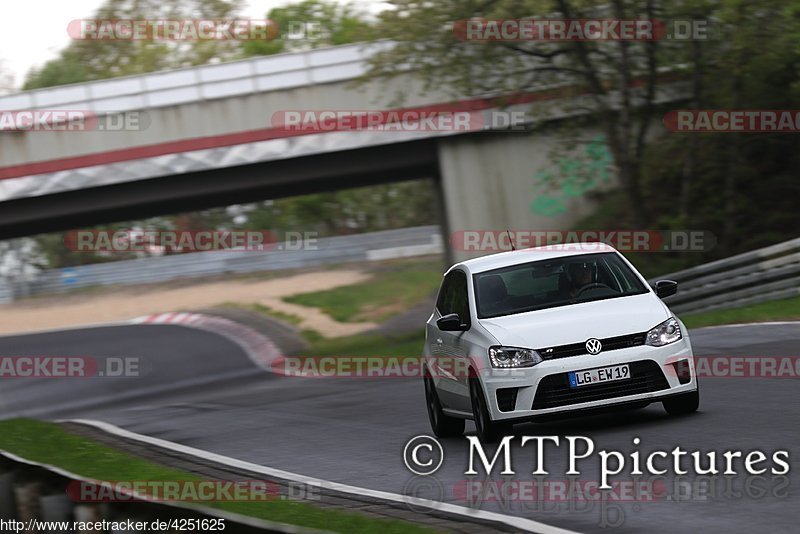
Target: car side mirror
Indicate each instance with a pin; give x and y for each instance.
(451, 323)
(666, 288)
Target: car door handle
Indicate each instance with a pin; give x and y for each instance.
(439, 341)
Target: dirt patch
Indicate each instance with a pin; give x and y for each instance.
(119, 304)
(386, 310)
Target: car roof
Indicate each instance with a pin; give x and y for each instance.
(515, 257)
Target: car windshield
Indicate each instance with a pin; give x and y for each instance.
(555, 282)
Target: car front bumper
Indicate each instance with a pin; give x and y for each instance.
(542, 390)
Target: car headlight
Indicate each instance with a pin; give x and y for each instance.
(505, 357)
(667, 332)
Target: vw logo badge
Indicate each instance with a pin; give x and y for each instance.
(593, 346)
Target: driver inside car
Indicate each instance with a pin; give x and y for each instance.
(580, 275)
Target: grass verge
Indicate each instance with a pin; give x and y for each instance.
(265, 310)
(777, 310)
(389, 292)
(359, 355)
(406, 344)
(48, 443)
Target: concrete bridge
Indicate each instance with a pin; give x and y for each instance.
(206, 136)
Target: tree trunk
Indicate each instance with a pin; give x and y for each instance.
(628, 170)
(687, 176)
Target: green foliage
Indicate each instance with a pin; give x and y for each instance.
(327, 23)
(363, 209)
(778, 310)
(737, 187)
(408, 344)
(427, 45)
(85, 60)
(741, 187)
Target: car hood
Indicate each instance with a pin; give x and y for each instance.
(576, 323)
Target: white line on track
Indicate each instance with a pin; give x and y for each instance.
(521, 523)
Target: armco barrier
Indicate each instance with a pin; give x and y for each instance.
(331, 250)
(6, 292)
(762, 275)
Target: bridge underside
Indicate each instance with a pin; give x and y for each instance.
(211, 188)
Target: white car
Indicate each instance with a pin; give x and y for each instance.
(547, 331)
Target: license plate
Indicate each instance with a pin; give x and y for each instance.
(598, 376)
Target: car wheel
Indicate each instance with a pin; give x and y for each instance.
(683, 404)
(488, 431)
(443, 425)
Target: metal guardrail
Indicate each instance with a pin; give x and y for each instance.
(762, 275)
(372, 246)
(6, 291)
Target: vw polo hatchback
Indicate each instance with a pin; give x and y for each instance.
(550, 331)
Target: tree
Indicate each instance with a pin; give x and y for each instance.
(86, 60)
(620, 77)
(737, 185)
(312, 24)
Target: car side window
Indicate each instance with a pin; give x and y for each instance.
(443, 302)
(453, 296)
(459, 297)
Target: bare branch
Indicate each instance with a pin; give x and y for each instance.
(536, 53)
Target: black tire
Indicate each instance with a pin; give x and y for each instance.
(683, 404)
(443, 425)
(488, 431)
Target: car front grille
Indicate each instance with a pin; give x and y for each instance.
(578, 349)
(554, 390)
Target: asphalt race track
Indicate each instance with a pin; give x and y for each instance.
(201, 390)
